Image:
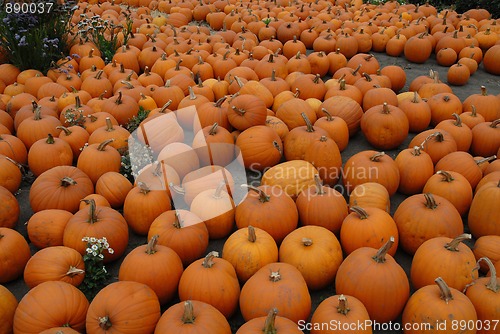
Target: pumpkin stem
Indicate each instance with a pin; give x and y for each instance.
(218, 190)
(188, 315)
(430, 201)
(382, 252)
(458, 120)
(342, 308)
(38, 113)
(277, 146)
(342, 84)
(445, 290)
(102, 146)
(165, 107)
(319, 185)
(109, 125)
(269, 324)
(446, 176)
(453, 245)
(144, 189)
(73, 271)
(495, 123)
(262, 195)
(385, 108)
(208, 262)
(481, 161)
(119, 98)
(309, 126)
(439, 137)
(493, 283)
(67, 181)
(151, 246)
(307, 242)
(213, 129)
(417, 151)
(356, 70)
(220, 101)
(484, 92)
(104, 323)
(317, 79)
(92, 210)
(239, 111)
(274, 276)
(65, 129)
(377, 156)
(329, 116)
(362, 214)
(50, 139)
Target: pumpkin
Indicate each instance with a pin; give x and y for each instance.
(14, 254)
(269, 324)
(61, 188)
(119, 135)
(182, 231)
(370, 194)
(485, 290)
(57, 263)
(443, 257)
(280, 285)
(194, 316)
(490, 65)
(463, 163)
(260, 146)
(344, 311)
(367, 227)
(59, 330)
(329, 165)
(143, 205)
(98, 159)
(9, 208)
(321, 205)
(443, 307)
(76, 137)
(214, 145)
(371, 166)
(14, 148)
(347, 109)
(487, 246)
(123, 306)
(259, 209)
(291, 176)
(481, 218)
(312, 242)
(32, 315)
(47, 153)
(8, 305)
(485, 138)
(417, 111)
(114, 187)
(216, 208)
(485, 105)
(415, 168)
(211, 280)
(245, 111)
(159, 132)
(162, 269)
(376, 279)
(37, 127)
(97, 222)
(417, 49)
(422, 217)
(181, 157)
(453, 186)
(45, 228)
(248, 250)
(458, 130)
(435, 143)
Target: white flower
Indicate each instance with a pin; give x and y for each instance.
(92, 239)
(94, 253)
(94, 247)
(101, 256)
(104, 269)
(89, 251)
(106, 245)
(110, 250)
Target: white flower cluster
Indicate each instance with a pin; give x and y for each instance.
(95, 247)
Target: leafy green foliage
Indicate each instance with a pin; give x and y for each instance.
(35, 37)
(96, 274)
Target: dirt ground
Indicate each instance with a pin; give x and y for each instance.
(356, 144)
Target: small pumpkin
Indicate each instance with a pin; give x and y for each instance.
(45, 228)
(98, 159)
(487, 246)
(442, 304)
(15, 253)
(481, 218)
(10, 209)
(205, 280)
(269, 324)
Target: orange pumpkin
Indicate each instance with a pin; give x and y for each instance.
(8, 305)
(12, 263)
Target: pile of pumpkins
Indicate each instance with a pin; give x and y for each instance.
(250, 90)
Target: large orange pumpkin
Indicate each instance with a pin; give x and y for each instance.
(14, 254)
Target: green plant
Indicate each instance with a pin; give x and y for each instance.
(134, 122)
(35, 38)
(105, 34)
(96, 274)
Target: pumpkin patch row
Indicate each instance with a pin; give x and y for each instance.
(253, 93)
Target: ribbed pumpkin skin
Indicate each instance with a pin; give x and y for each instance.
(54, 264)
(382, 287)
(130, 306)
(289, 294)
(208, 320)
(483, 217)
(14, 254)
(68, 307)
(8, 305)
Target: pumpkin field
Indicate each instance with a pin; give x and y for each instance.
(249, 166)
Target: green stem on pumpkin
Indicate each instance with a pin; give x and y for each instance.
(382, 252)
